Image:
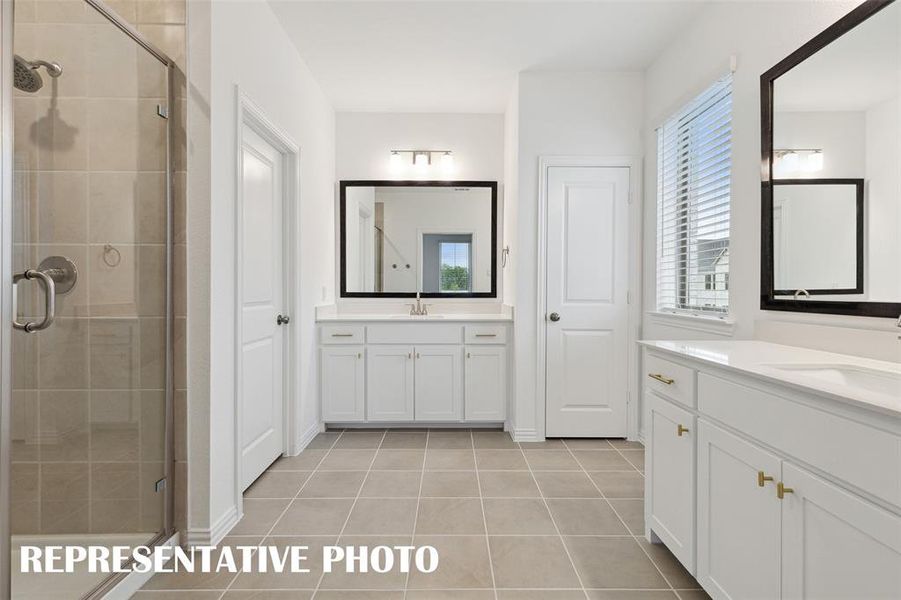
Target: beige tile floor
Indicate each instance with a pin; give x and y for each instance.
(558, 520)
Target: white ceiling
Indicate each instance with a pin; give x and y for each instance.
(459, 56)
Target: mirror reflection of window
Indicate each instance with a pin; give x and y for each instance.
(447, 263)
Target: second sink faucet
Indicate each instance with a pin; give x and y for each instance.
(419, 309)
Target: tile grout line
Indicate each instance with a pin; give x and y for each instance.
(547, 507)
(616, 512)
(425, 452)
(475, 460)
(359, 491)
(290, 502)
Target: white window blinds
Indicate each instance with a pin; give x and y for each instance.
(694, 164)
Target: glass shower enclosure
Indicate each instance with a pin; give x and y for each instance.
(89, 413)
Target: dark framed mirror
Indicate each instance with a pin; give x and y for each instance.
(437, 238)
(831, 170)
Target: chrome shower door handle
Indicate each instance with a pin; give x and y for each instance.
(49, 300)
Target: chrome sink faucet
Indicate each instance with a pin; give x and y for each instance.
(419, 309)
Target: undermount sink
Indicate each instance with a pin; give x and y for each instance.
(417, 317)
(872, 380)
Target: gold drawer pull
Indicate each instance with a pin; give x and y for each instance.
(681, 429)
(662, 378)
(762, 478)
(486, 335)
(342, 335)
(781, 490)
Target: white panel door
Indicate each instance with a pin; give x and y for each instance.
(587, 276)
(439, 383)
(342, 379)
(486, 383)
(739, 520)
(389, 383)
(834, 545)
(671, 512)
(262, 346)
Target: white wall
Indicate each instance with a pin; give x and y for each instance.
(840, 134)
(759, 34)
(573, 114)
(249, 48)
(883, 207)
(364, 142)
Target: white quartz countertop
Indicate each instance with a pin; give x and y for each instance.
(872, 384)
(402, 318)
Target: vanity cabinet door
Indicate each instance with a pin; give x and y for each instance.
(389, 387)
(439, 383)
(739, 517)
(342, 377)
(671, 493)
(836, 545)
(486, 383)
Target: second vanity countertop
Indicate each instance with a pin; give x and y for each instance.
(872, 384)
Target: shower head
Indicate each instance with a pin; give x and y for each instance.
(26, 76)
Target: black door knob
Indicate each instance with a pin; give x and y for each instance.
(554, 317)
(282, 320)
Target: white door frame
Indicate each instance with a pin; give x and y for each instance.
(633, 163)
(249, 114)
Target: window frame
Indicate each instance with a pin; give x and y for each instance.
(684, 203)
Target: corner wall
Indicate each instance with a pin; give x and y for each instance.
(559, 114)
(249, 48)
(759, 34)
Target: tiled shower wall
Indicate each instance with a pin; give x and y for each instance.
(88, 393)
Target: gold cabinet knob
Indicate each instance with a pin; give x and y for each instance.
(781, 490)
(681, 429)
(662, 378)
(762, 478)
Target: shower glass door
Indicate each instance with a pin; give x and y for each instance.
(89, 401)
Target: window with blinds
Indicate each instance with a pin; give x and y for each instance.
(694, 164)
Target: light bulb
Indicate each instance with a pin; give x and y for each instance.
(447, 160)
(395, 159)
(421, 159)
(791, 161)
(815, 161)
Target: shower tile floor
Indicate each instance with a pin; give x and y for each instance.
(558, 520)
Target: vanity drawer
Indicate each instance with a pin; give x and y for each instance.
(415, 333)
(491, 333)
(341, 334)
(864, 456)
(670, 380)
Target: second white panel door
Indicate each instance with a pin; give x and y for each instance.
(438, 383)
(389, 383)
(262, 333)
(587, 314)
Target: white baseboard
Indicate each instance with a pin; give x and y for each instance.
(131, 583)
(307, 436)
(526, 435)
(213, 535)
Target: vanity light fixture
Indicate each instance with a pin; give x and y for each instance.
(794, 160)
(422, 158)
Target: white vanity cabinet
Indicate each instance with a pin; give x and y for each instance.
(389, 383)
(772, 490)
(413, 371)
(341, 371)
